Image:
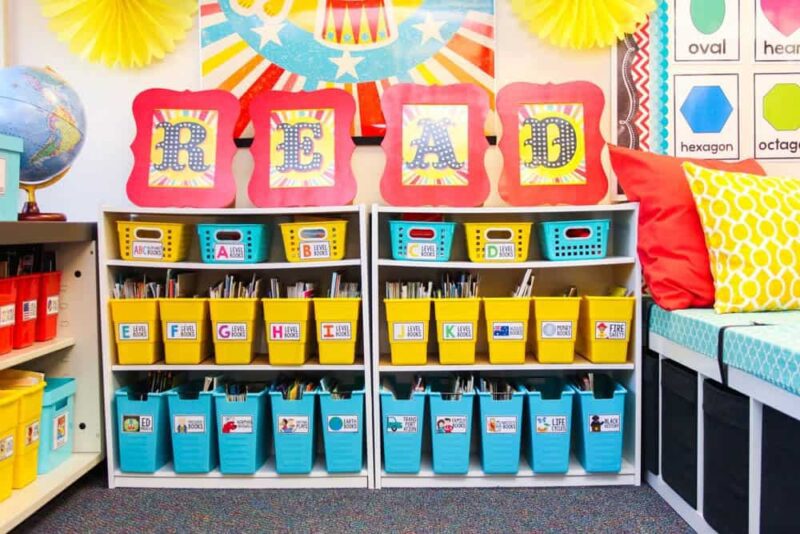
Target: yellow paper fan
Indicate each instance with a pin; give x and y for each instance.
(124, 33)
(582, 24)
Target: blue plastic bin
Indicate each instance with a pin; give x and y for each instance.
(422, 240)
(343, 431)
(401, 422)
(234, 243)
(57, 423)
(574, 240)
(549, 424)
(599, 423)
(293, 426)
(451, 431)
(242, 432)
(501, 432)
(193, 428)
(142, 431)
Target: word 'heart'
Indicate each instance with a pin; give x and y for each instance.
(784, 15)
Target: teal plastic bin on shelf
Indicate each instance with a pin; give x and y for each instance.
(401, 422)
(549, 424)
(343, 431)
(57, 423)
(574, 240)
(501, 432)
(242, 432)
(142, 431)
(193, 427)
(422, 240)
(451, 431)
(234, 243)
(599, 419)
(293, 427)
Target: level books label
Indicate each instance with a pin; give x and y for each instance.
(343, 423)
(409, 331)
(134, 331)
(551, 424)
(6, 447)
(181, 331)
(60, 430)
(556, 329)
(501, 425)
(457, 331)
(284, 331)
(335, 331)
(189, 424)
(229, 252)
(293, 424)
(315, 250)
(422, 251)
(231, 331)
(499, 251)
(148, 250)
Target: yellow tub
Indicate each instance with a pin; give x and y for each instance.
(408, 322)
(9, 418)
(498, 242)
(286, 321)
(556, 328)
(337, 329)
(151, 241)
(323, 240)
(137, 331)
(184, 325)
(457, 329)
(605, 328)
(507, 328)
(233, 323)
(30, 386)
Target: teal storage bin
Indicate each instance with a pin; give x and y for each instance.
(234, 243)
(547, 440)
(10, 152)
(343, 431)
(142, 431)
(451, 431)
(501, 432)
(242, 432)
(574, 240)
(57, 423)
(193, 428)
(401, 421)
(293, 427)
(599, 422)
(422, 240)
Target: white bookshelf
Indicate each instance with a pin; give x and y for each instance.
(619, 268)
(354, 266)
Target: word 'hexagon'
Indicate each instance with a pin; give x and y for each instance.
(780, 107)
(706, 109)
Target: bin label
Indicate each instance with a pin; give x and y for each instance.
(134, 332)
(508, 331)
(604, 423)
(137, 424)
(315, 250)
(451, 424)
(614, 331)
(148, 250)
(551, 424)
(177, 331)
(32, 433)
(52, 305)
(28, 310)
(229, 252)
(60, 430)
(556, 330)
(421, 251)
(402, 424)
(237, 424)
(284, 331)
(408, 331)
(231, 332)
(189, 424)
(335, 331)
(457, 332)
(499, 251)
(501, 425)
(6, 447)
(7, 315)
(341, 424)
(293, 424)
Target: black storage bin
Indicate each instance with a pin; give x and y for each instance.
(679, 430)
(726, 415)
(780, 472)
(650, 409)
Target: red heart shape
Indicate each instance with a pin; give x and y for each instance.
(784, 15)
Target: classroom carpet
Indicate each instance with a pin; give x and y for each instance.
(89, 506)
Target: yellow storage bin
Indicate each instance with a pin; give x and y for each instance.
(233, 323)
(408, 323)
(507, 328)
(286, 321)
(488, 242)
(556, 328)
(337, 329)
(605, 328)
(184, 326)
(137, 331)
(323, 240)
(30, 386)
(9, 418)
(150, 241)
(457, 329)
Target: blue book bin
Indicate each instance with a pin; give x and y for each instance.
(193, 427)
(343, 431)
(401, 421)
(242, 431)
(10, 152)
(549, 424)
(293, 427)
(451, 431)
(599, 421)
(501, 432)
(58, 424)
(142, 431)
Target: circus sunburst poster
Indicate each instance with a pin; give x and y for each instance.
(360, 46)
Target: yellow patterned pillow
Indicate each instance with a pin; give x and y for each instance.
(752, 229)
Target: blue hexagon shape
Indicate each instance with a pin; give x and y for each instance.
(706, 109)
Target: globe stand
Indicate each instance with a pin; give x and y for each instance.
(30, 210)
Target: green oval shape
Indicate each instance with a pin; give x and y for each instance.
(708, 15)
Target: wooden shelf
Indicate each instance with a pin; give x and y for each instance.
(266, 266)
(500, 210)
(468, 265)
(232, 212)
(259, 363)
(24, 233)
(482, 364)
(37, 350)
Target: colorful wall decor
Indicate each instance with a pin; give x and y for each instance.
(552, 144)
(302, 148)
(435, 145)
(183, 149)
(360, 46)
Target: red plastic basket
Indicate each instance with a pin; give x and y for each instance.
(26, 312)
(47, 316)
(8, 297)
